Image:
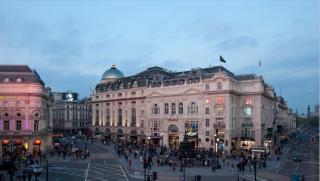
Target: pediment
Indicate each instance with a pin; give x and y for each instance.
(192, 91)
(154, 94)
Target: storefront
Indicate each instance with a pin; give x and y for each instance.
(247, 143)
(133, 136)
(173, 136)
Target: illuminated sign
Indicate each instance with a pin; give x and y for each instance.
(5, 142)
(37, 142)
(69, 97)
(219, 100)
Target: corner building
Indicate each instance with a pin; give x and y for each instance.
(25, 110)
(215, 107)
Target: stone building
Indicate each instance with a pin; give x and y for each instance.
(25, 110)
(70, 115)
(216, 108)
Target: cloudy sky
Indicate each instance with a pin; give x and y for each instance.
(71, 43)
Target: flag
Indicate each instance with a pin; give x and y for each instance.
(222, 59)
(259, 63)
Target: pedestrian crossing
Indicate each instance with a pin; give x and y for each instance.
(105, 172)
(68, 171)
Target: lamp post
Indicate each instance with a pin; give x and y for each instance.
(11, 161)
(255, 167)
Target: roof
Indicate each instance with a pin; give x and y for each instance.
(19, 74)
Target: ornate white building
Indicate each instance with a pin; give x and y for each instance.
(216, 108)
(25, 109)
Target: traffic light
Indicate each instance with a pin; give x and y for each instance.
(155, 175)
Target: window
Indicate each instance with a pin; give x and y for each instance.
(207, 87)
(193, 109)
(97, 117)
(247, 111)
(155, 126)
(6, 125)
(133, 117)
(180, 108)
(173, 108)
(19, 79)
(36, 125)
(207, 123)
(6, 79)
(207, 110)
(119, 117)
(155, 109)
(219, 85)
(18, 125)
(207, 133)
(142, 124)
(220, 111)
(166, 108)
(194, 73)
(108, 117)
(247, 101)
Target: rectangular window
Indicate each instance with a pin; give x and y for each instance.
(97, 118)
(207, 87)
(207, 133)
(108, 117)
(36, 125)
(142, 124)
(207, 123)
(6, 125)
(18, 125)
(133, 118)
(207, 110)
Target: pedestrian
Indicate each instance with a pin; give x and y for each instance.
(24, 177)
(129, 162)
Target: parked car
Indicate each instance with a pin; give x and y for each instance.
(296, 157)
(33, 169)
(297, 177)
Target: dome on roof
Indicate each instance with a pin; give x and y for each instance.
(112, 73)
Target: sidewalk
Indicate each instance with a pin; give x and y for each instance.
(137, 167)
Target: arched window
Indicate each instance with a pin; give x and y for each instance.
(173, 108)
(155, 109)
(180, 108)
(135, 84)
(166, 108)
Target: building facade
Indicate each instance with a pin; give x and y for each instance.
(70, 115)
(25, 110)
(214, 107)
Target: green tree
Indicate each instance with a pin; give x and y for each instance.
(314, 121)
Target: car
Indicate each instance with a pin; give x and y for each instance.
(296, 157)
(297, 177)
(33, 169)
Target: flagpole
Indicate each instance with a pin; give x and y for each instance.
(260, 67)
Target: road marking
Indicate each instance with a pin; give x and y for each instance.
(125, 175)
(87, 171)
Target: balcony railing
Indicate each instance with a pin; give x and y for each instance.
(155, 129)
(247, 125)
(219, 125)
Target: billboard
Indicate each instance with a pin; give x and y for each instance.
(69, 97)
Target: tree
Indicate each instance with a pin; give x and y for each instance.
(314, 121)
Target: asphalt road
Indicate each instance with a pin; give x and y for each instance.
(309, 166)
(102, 166)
